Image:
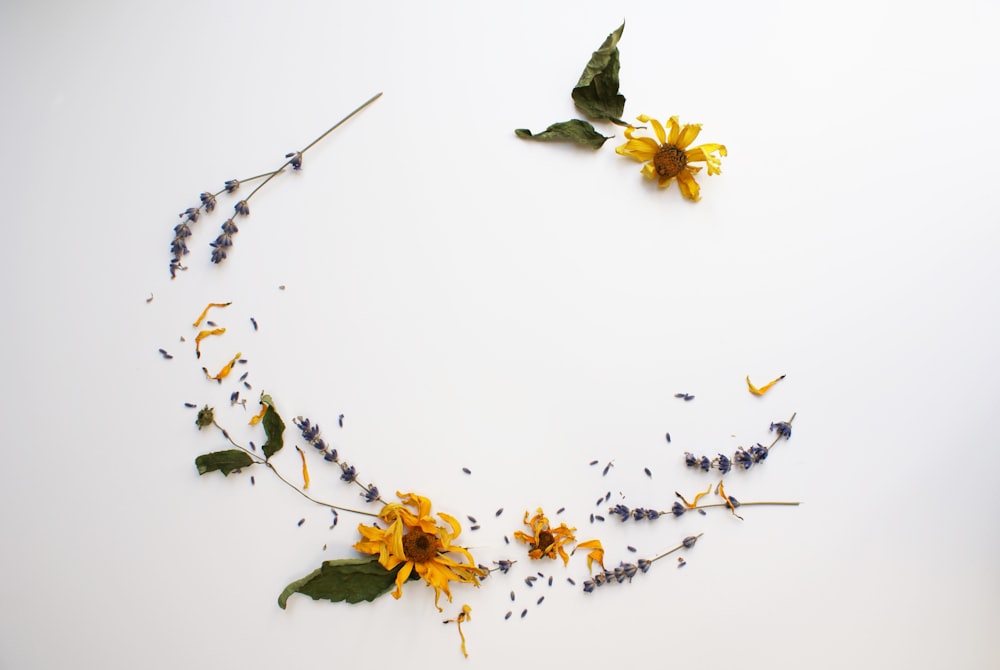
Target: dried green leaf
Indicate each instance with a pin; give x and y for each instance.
(347, 579)
(224, 461)
(274, 427)
(574, 130)
(596, 94)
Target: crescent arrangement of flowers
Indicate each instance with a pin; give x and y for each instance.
(401, 539)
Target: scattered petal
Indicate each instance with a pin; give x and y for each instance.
(305, 469)
(205, 311)
(765, 388)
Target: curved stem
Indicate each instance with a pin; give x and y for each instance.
(258, 460)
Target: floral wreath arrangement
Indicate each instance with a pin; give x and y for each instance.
(403, 540)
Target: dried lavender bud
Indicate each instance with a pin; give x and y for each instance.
(296, 160)
(242, 208)
(208, 201)
(232, 185)
(782, 428)
(689, 541)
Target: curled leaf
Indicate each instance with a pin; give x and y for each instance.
(575, 130)
(204, 312)
(274, 429)
(596, 94)
(223, 461)
(765, 388)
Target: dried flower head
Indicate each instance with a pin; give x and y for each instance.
(416, 541)
(669, 157)
(545, 541)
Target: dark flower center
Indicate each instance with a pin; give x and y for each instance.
(669, 161)
(545, 540)
(419, 546)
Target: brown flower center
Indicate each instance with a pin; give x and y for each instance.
(669, 161)
(545, 540)
(419, 546)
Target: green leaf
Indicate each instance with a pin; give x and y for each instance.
(226, 461)
(347, 579)
(274, 427)
(596, 94)
(575, 130)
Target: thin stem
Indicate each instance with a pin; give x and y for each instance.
(309, 497)
(778, 437)
(678, 547)
(258, 460)
(312, 144)
(243, 181)
(342, 121)
(744, 504)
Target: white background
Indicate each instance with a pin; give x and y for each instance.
(469, 299)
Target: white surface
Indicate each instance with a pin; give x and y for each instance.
(469, 299)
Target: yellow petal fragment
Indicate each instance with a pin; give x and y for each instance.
(202, 335)
(721, 490)
(305, 469)
(689, 187)
(765, 388)
(463, 616)
(257, 418)
(226, 369)
(204, 312)
(697, 497)
(596, 553)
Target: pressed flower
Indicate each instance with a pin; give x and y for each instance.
(596, 553)
(730, 501)
(670, 157)
(765, 388)
(204, 312)
(544, 540)
(416, 541)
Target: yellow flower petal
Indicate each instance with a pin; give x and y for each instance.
(675, 130)
(687, 135)
(224, 372)
(689, 187)
(596, 553)
(661, 134)
(202, 335)
(765, 388)
(204, 312)
(305, 469)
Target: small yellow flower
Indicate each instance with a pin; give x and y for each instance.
(544, 540)
(670, 157)
(415, 540)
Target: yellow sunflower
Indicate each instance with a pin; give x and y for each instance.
(545, 541)
(415, 540)
(670, 157)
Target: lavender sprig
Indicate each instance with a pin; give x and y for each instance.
(348, 473)
(222, 243)
(743, 458)
(626, 571)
